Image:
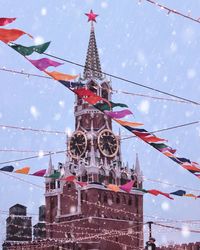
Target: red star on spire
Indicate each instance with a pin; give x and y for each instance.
(91, 16)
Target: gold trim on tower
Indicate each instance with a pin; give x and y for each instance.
(77, 144)
(108, 143)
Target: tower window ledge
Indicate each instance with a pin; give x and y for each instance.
(52, 192)
(87, 111)
(91, 185)
(68, 215)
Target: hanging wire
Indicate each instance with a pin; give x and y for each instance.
(112, 91)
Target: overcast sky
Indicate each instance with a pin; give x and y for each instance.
(137, 41)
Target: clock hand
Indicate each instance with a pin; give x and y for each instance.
(78, 148)
(109, 145)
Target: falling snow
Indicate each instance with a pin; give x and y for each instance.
(135, 41)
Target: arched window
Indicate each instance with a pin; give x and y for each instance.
(105, 198)
(53, 184)
(118, 199)
(134, 178)
(124, 199)
(102, 175)
(124, 178)
(93, 87)
(112, 177)
(85, 177)
(130, 202)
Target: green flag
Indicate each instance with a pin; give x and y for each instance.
(27, 51)
(105, 106)
(122, 105)
(55, 175)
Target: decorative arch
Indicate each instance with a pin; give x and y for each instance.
(105, 198)
(102, 175)
(123, 178)
(118, 199)
(134, 178)
(93, 87)
(105, 90)
(85, 176)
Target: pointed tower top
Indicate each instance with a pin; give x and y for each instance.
(50, 169)
(137, 165)
(92, 64)
(138, 170)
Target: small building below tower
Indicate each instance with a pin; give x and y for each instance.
(18, 226)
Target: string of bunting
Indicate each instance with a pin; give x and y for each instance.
(22, 72)
(162, 220)
(128, 187)
(124, 137)
(8, 36)
(26, 51)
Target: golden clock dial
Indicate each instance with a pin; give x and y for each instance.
(108, 143)
(77, 144)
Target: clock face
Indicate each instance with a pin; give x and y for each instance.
(77, 144)
(108, 143)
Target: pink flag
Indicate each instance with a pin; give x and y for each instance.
(127, 187)
(44, 63)
(5, 20)
(40, 173)
(171, 150)
(118, 114)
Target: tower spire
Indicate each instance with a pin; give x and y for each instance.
(92, 64)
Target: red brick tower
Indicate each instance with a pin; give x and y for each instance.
(94, 217)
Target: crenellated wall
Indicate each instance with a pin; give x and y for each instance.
(190, 246)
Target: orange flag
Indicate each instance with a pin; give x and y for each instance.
(9, 35)
(131, 124)
(113, 187)
(169, 154)
(24, 170)
(60, 76)
(190, 195)
(190, 167)
(152, 138)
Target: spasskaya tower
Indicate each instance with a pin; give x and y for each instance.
(88, 215)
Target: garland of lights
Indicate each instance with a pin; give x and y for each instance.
(169, 10)
(103, 88)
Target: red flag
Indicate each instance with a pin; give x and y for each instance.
(40, 173)
(6, 20)
(93, 99)
(7, 36)
(82, 92)
(90, 96)
(157, 192)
